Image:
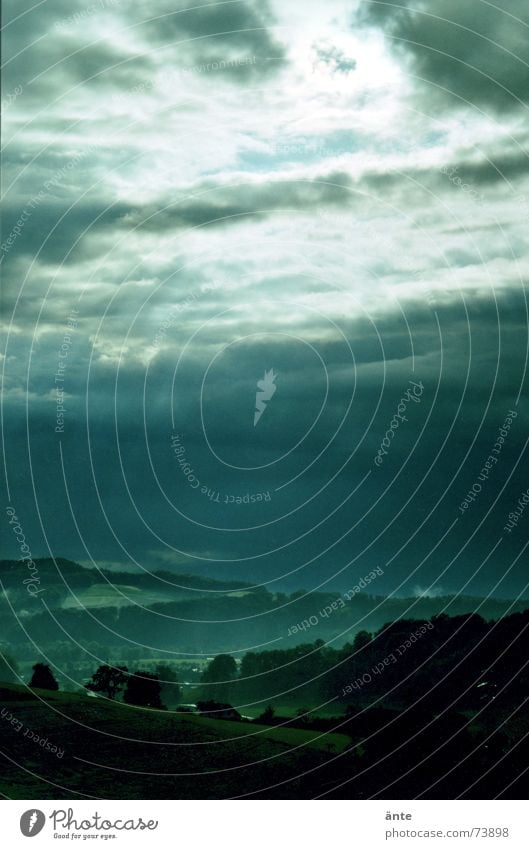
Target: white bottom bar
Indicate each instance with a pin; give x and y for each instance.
(265, 824)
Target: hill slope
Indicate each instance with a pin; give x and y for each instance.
(115, 751)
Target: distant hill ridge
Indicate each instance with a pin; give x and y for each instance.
(78, 576)
(203, 614)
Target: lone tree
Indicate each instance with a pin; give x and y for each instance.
(220, 674)
(170, 689)
(267, 716)
(108, 680)
(43, 678)
(143, 689)
(361, 640)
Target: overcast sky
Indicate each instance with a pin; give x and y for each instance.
(335, 192)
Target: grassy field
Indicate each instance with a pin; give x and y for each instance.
(288, 710)
(114, 751)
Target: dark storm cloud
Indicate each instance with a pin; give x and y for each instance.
(103, 64)
(56, 225)
(23, 27)
(55, 229)
(219, 30)
(46, 51)
(475, 50)
(229, 400)
(226, 204)
(506, 166)
(140, 274)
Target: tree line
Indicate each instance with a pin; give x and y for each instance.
(462, 661)
(140, 688)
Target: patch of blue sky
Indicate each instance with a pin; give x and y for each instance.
(300, 148)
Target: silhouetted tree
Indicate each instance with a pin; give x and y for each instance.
(143, 689)
(220, 673)
(170, 692)
(267, 716)
(303, 716)
(43, 678)
(108, 680)
(362, 639)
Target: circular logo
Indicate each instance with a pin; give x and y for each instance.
(32, 822)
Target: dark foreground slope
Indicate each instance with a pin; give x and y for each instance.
(62, 745)
(116, 751)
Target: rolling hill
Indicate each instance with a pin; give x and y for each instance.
(108, 750)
